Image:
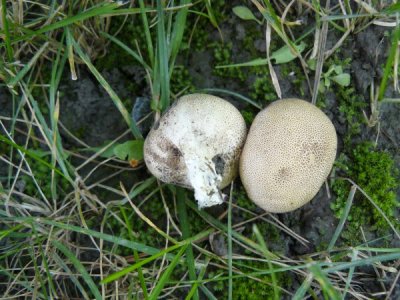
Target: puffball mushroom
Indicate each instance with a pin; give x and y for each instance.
(288, 154)
(196, 144)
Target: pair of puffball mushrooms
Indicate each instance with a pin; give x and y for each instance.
(200, 143)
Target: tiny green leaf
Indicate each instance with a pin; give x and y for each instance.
(312, 63)
(130, 150)
(244, 13)
(327, 82)
(284, 55)
(109, 152)
(252, 63)
(342, 79)
(338, 69)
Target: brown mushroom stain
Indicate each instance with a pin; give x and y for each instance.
(172, 164)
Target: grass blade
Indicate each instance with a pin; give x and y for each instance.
(195, 285)
(37, 272)
(208, 293)
(185, 228)
(261, 241)
(301, 291)
(147, 33)
(343, 218)
(80, 268)
(136, 56)
(107, 237)
(58, 153)
(177, 33)
(63, 163)
(137, 265)
(27, 67)
(389, 63)
(162, 52)
(210, 219)
(325, 284)
(229, 225)
(71, 58)
(98, 10)
(31, 154)
(165, 276)
(239, 96)
(252, 63)
(135, 254)
(61, 262)
(45, 264)
(6, 28)
(362, 262)
(350, 274)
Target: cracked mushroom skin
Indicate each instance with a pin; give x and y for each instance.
(288, 154)
(197, 144)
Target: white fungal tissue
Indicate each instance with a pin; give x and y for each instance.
(197, 144)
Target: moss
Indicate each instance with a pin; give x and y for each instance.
(181, 80)
(248, 115)
(375, 172)
(262, 89)
(293, 72)
(252, 34)
(247, 288)
(197, 38)
(223, 57)
(240, 196)
(350, 108)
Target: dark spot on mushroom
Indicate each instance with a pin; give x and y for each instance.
(219, 163)
(175, 151)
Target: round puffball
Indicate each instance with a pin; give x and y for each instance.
(197, 144)
(288, 154)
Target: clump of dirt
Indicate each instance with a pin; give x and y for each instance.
(87, 110)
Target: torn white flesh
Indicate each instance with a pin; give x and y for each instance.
(204, 180)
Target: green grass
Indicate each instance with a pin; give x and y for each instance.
(77, 221)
